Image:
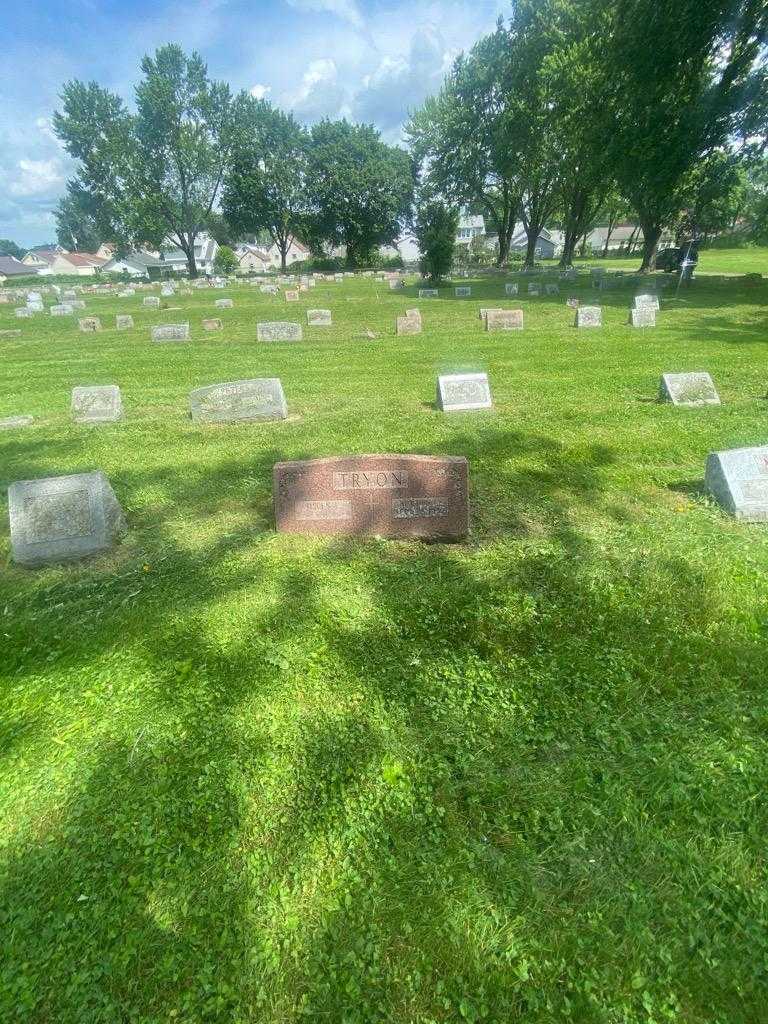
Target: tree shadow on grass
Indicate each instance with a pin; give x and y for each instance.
(409, 784)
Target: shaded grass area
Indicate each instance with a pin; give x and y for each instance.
(751, 259)
(248, 777)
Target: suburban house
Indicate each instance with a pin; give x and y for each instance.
(58, 261)
(296, 252)
(470, 226)
(251, 259)
(621, 237)
(41, 256)
(11, 267)
(205, 254)
(547, 244)
(135, 265)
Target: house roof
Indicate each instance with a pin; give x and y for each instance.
(11, 267)
(82, 259)
(252, 250)
(46, 248)
(44, 255)
(205, 250)
(138, 259)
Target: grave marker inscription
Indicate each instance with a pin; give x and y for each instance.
(459, 392)
(239, 400)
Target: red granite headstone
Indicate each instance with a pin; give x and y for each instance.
(396, 496)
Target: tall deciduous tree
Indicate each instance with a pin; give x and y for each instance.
(361, 189)
(82, 222)
(266, 188)
(9, 248)
(158, 171)
(680, 73)
(435, 226)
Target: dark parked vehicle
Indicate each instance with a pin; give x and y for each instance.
(671, 260)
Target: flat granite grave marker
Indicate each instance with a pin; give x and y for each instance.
(89, 323)
(77, 303)
(35, 307)
(459, 392)
(462, 293)
(268, 289)
(170, 332)
(642, 316)
(319, 317)
(738, 480)
(239, 400)
(408, 325)
(429, 293)
(291, 296)
(484, 311)
(63, 309)
(224, 303)
(395, 496)
(589, 316)
(534, 288)
(60, 519)
(16, 422)
(126, 293)
(504, 320)
(151, 300)
(647, 301)
(690, 389)
(213, 324)
(511, 289)
(97, 404)
(279, 331)
(123, 321)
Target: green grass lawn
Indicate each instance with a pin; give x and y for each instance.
(752, 260)
(250, 777)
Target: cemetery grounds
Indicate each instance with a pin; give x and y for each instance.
(248, 776)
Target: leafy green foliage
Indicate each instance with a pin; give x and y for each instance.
(9, 248)
(360, 188)
(155, 174)
(266, 189)
(435, 227)
(225, 261)
(82, 222)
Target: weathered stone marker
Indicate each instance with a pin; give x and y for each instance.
(268, 289)
(552, 289)
(77, 303)
(224, 303)
(459, 392)
(151, 300)
(647, 301)
(408, 325)
(291, 296)
(396, 496)
(123, 321)
(16, 422)
(534, 288)
(89, 323)
(589, 316)
(642, 316)
(63, 309)
(238, 400)
(429, 293)
(688, 389)
(63, 518)
(319, 317)
(170, 332)
(738, 480)
(504, 320)
(512, 289)
(214, 324)
(279, 331)
(462, 293)
(97, 404)
(23, 311)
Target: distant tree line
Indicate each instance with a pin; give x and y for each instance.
(570, 113)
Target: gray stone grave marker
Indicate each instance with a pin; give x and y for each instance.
(643, 316)
(213, 324)
(589, 316)
(97, 404)
(552, 289)
(512, 289)
(738, 480)
(123, 321)
(534, 288)
(16, 422)
(170, 332)
(463, 292)
(429, 293)
(64, 518)
(152, 301)
(63, 309)
(647, 300)
(89, 323)
(504, 320)
(689, 389)
(408, 325)
(459, 392)
(279, 331)
(224, 303)
(291, 296)
(319, 317)
(268, 289)
(239, 400)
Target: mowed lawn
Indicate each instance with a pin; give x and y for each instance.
(749, 260)
(250, 777)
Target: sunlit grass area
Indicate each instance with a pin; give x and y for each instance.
(250, 777)
(749, 260)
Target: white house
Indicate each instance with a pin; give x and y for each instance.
(251, 259)
(547, 244)
(470, 226)
(135, 265)
(205, 254)
(296, 252)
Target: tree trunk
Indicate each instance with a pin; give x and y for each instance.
(583, 248)
(611, 226)
(569, 247)
(188, 247)
(284, 246)
(532, 231)
(651, 236)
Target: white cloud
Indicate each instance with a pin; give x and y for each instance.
(320, 93)
(37, 177)
(259, 91)
(347, 10)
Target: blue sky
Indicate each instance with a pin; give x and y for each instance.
(368, 60)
